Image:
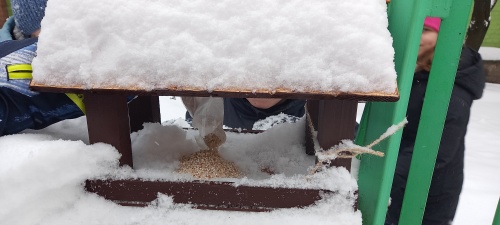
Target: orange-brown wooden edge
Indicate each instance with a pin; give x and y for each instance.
(231, 93)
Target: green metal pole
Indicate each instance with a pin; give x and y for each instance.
(376, 174)
(496, 220)
(435, 107)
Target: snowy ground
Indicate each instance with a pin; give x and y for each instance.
(490, 53)
(41, 172)
(40, 177)
(61, 202)
(481, 191)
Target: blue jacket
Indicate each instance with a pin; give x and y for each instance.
(21, 108)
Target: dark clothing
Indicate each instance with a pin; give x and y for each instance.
(239, 113)
(19, 112)
(21, 108)
(448, 174)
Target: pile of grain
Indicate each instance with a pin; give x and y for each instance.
(207, 164)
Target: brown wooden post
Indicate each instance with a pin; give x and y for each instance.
(107, 121)
(143, 109)
(4, 13)
(336, 121)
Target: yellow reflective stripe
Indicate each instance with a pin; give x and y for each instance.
(19, 68)
(78, 100)
(19, 71)
(24, 71)
(20, 75)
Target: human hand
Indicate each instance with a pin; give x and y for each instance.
(6, 31)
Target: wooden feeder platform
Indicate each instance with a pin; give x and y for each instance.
(332, 116)
(206, 194)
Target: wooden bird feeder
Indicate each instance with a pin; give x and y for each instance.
(331, 115)
(110, 120)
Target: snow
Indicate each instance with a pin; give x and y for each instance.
(481, 190)
(260, 44)
(205, 45)
(41, 173)
(44, 175)
(490, 53)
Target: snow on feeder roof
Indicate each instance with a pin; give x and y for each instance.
(320, 45)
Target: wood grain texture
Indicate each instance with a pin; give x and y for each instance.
(231, 93)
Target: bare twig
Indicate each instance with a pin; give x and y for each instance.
(347, 149)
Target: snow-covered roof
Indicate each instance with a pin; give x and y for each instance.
(320, 45)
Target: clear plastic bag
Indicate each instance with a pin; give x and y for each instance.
(208, 118)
